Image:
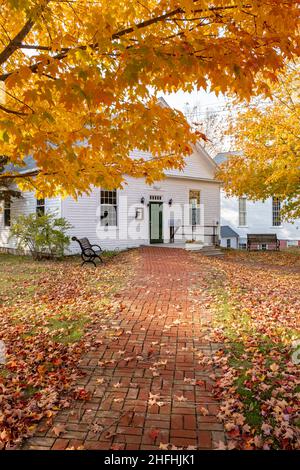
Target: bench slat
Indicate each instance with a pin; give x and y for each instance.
(262, 238)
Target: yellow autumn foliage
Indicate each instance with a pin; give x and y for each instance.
(267, 137)
(80, 79)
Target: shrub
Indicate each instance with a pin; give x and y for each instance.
(43, 235)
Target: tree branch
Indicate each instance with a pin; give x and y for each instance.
(11, 111)
(32, 46)
(19, 175)
(20, 36)
(124, 32)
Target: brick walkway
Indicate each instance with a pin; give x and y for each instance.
(146, 388)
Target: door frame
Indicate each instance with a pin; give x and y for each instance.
(161, 238)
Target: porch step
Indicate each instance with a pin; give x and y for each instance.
(211, 251)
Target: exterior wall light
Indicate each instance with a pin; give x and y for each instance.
(143, 200)
(170, 202)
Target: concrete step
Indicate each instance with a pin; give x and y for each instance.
(211, 251)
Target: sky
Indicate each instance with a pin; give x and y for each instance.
(200, 98)
(195, 106)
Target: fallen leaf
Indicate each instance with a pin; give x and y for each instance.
(58, 429)
(163, 446)
(220, 446)
(154, 433)
(204, 411)
(181, 398)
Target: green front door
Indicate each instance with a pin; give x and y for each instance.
(156, 222)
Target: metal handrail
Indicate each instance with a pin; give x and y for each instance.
(213, 234)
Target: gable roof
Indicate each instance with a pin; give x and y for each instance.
(204, 152)
(222, 157)
(162, 102)
(198, 147)
(227, 232)
(29, 165)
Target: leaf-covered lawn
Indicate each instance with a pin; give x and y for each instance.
(49, 317)
(256, 297)
(51, 313)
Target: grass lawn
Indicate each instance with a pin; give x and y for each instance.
(50, 314)
(256, 298)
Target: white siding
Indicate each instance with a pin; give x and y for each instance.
(24, 205)
(197, 165)
(259, 219)
(84, 214)
(233, 243)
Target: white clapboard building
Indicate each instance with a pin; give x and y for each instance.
(182, 207)
(240, 216)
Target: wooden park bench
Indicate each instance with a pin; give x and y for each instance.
(88, 253)
(263, 239)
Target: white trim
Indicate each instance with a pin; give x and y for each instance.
(201, 149)
(113, 227)
(194, 178)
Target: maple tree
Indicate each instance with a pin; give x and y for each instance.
(90, 72)
(266, 136)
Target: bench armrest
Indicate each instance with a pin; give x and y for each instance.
(100, 249)
(88, 251)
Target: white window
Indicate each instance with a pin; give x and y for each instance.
(194, 201)
(242, 246)
(40, 206)
(292, 243)
(276, 207)
(242, 211)
(109, 208)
